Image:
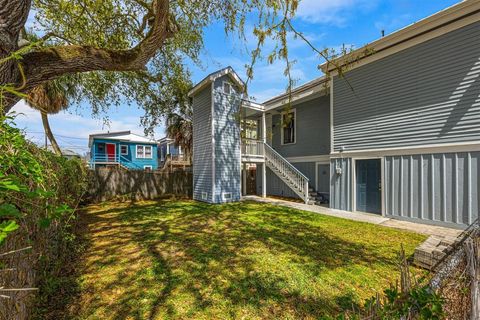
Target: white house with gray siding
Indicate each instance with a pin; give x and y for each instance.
(397, 135)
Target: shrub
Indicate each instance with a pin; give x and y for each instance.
(39, 192)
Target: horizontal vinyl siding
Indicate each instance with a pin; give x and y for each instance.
(427, 94)
(435, 187)
(312, 129)
(227, 142)
(202, 145)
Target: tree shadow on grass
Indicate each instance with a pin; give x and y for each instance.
(185, 259)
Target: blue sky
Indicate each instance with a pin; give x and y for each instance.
(326, 23)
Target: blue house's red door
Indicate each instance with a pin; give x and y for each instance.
(111, 151)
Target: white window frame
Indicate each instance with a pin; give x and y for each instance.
(123, 153)
(227, 196)
(143, 147)
(294, 111)
(151, 152)
(148, 167)
(230, 85)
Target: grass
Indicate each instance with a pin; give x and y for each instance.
(189, 260)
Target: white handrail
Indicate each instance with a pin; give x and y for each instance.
(252, 147)
(293, 177)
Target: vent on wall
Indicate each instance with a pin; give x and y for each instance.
(204, 196)
(227, 196)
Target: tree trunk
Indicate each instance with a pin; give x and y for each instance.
(13, 15)
(49, 134)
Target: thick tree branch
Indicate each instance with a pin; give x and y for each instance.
(50, 63)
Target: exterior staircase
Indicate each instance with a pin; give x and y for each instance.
(290, 175)
(113, 160)
(316, 198)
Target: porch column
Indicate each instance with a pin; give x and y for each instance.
(264, 180)
(244, 179)
(264, 165)
(264, 128)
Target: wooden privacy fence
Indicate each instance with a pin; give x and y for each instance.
(110, 183)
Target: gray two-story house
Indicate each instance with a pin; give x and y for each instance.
(398, 134)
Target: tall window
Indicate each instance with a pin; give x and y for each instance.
(227, 88)
(144, 152)
(123, 149)
(288, 127)
(148, 152)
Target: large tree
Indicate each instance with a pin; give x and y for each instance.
(127, 49)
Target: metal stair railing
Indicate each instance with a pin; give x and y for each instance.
(128, 164)
(295, 179)
(116, 159)
(104, 159)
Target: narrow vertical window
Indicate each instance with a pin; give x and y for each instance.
(123, 149)
(227, 88)
(148, 152)
(140, 152)
(288, 127)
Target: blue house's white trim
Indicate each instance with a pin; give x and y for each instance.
(126, 158)
(144, 148)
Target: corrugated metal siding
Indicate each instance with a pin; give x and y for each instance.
(435, 187)
(313, 129)
(276, 187)
(341, 184)
(202, 145)
(227, 142)
(426, 94)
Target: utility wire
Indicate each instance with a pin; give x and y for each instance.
(57, 135)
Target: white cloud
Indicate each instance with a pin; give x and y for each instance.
(331, 11)
(264, 95)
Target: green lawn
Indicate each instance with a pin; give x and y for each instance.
(189, 260)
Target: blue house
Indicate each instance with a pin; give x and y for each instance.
(125, 149)
(404, 143)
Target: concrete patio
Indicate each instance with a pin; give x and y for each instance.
(431, 230)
